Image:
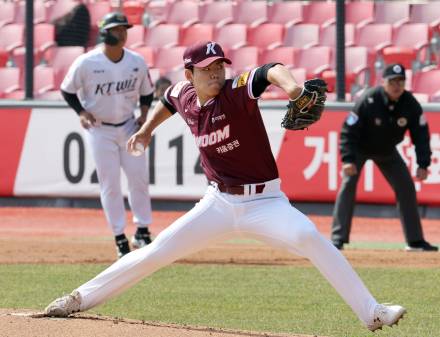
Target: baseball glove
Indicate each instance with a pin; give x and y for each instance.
(308, 107)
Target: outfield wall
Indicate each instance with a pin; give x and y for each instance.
(43, 153)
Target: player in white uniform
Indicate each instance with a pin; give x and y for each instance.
(244, 197)
(103, 86)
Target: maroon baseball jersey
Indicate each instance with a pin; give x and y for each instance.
(228, 130)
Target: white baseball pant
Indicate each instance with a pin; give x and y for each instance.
(268, 217)
(109, 152)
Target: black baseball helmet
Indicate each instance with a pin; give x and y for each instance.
(111, 20)
(114, 19)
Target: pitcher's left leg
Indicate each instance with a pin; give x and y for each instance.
(282, 226)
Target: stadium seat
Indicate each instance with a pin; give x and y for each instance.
(359, 13)
(314, 60)
(375, 37)
(10, 81)
(304, 35)
(231, 36)
(147, 53)
(218, 13)
(285, 55)
(176, 75)
(427, 82)
(134, 10)
(243, 59)
(395, 13)
(40, 12)
(7, 14)
(11, 38)
(274, 92)
(97, 11)
(327, 35)
(60, 8)
(184, 13)
(409, 47)
(196, 33)
(320, 12)
(163, 35)
(251, 13)
(44, 38)
(267, 35)
(429, 13)
(426, 13)
(169, 59)
(60, 58)
(357, 72)
(287, 13)
(135, 36)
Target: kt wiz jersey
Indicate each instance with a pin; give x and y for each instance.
(228, 130)
(108, 90)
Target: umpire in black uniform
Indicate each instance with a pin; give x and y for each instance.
(372, 131)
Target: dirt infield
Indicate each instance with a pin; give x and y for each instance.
(54, 235)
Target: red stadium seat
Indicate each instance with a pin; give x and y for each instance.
(359, 13)
(169, 59)
(357, 73)
(427, 82)
(60, 58)
(267, 35)
(147, 53)
(176, 75)
(135, 36)
(231, 36)
(7, 14)
(315, 60)
(409, 45)
(10, 81)
(251, 13)
(274, 92)
(395, 13)
(426, 13)
(183, 13)
(60, 8)
(217, 13)
(285, 55)
(243, 59)
(163, 35)
(327, 36)
(11, 36)
(304, 35)
(40, 12)
(375, 37)
(44, 80)
(97, 11)
(196, 33)
(320, 12)
(44, 38)
(134, 10)
(287, 13)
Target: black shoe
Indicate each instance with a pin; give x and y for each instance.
(122, 247)
(338, 245)
(421, 246)
(142, 238)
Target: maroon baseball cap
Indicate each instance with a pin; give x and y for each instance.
(203, 54)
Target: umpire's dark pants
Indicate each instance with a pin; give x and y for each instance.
(396, 173)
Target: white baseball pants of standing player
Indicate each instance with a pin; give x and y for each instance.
(109, 152)
(268, 217)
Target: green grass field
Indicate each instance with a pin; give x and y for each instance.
(257, 298)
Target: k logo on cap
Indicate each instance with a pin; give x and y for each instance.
(203, 54)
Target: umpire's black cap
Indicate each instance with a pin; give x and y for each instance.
(114, 19)
(393, 71)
